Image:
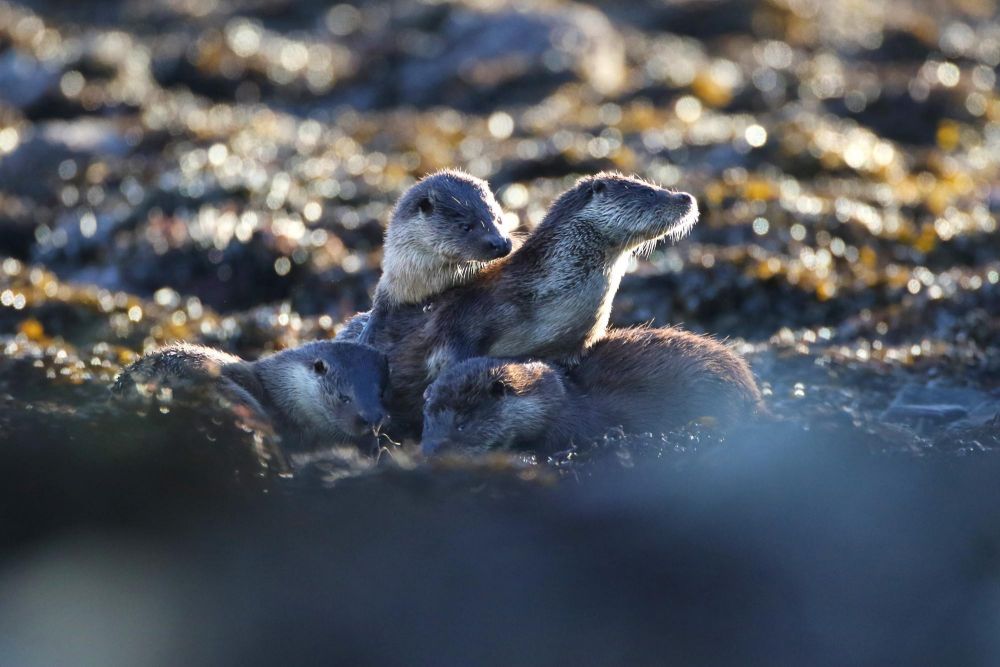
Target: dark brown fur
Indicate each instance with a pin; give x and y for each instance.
(640, 380)
(550, 299)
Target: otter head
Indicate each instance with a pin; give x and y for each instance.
(452, 217)
(626, 212)
(484, 404)
(326, 387)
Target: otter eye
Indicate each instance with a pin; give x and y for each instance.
(320, 367)
(344, 398)
(466, 226)
(597, 187)
(425, 205)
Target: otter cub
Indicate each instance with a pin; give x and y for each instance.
(551, 298)
(642, 380)
(441, 233)
(323, 392)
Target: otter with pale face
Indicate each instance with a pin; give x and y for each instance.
(326, 390)
(442, 232)
(550, 299)
(321, 393)
(639, 380)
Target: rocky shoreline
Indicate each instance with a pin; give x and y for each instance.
(220, 171)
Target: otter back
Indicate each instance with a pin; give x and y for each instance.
(637, 380)
(659, 379)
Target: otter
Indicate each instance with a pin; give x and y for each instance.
(640, 380)
(551, 298)
(320, 393)
(441, 233)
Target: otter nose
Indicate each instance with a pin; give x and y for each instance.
(373, 418)
(499, 247)
(679, 199)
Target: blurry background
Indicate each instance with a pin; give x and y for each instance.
(219, 171)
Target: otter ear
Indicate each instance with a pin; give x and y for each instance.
(426, 203)
(597, 187)
(499, 388)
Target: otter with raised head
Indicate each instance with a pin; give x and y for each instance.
(640, 380)
(441, 233)
(320, 393)
(551, 298)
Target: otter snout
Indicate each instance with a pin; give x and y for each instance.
(496, 247)
(373, 418)
(680, 210)
(437, 433)
(680, 201)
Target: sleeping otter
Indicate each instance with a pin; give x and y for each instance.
(640, 380)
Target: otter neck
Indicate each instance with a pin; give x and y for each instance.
(411, 274)
(291, 392)
(568, 252)
(244, 374)
(572, 278)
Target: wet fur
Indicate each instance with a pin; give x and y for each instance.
(659, 379)
(280, 388)
(640, 380)
(425, 253)
(549, 299)
(179, 366)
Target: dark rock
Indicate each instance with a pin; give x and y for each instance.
(32, 169)
(899, 46)
(695, 18)
(897, 116)
(960, 407)
(479, 60)
(793, 552)
(24, 80)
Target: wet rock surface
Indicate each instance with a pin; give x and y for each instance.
(218, 172)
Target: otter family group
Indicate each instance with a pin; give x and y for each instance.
(474, 345)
